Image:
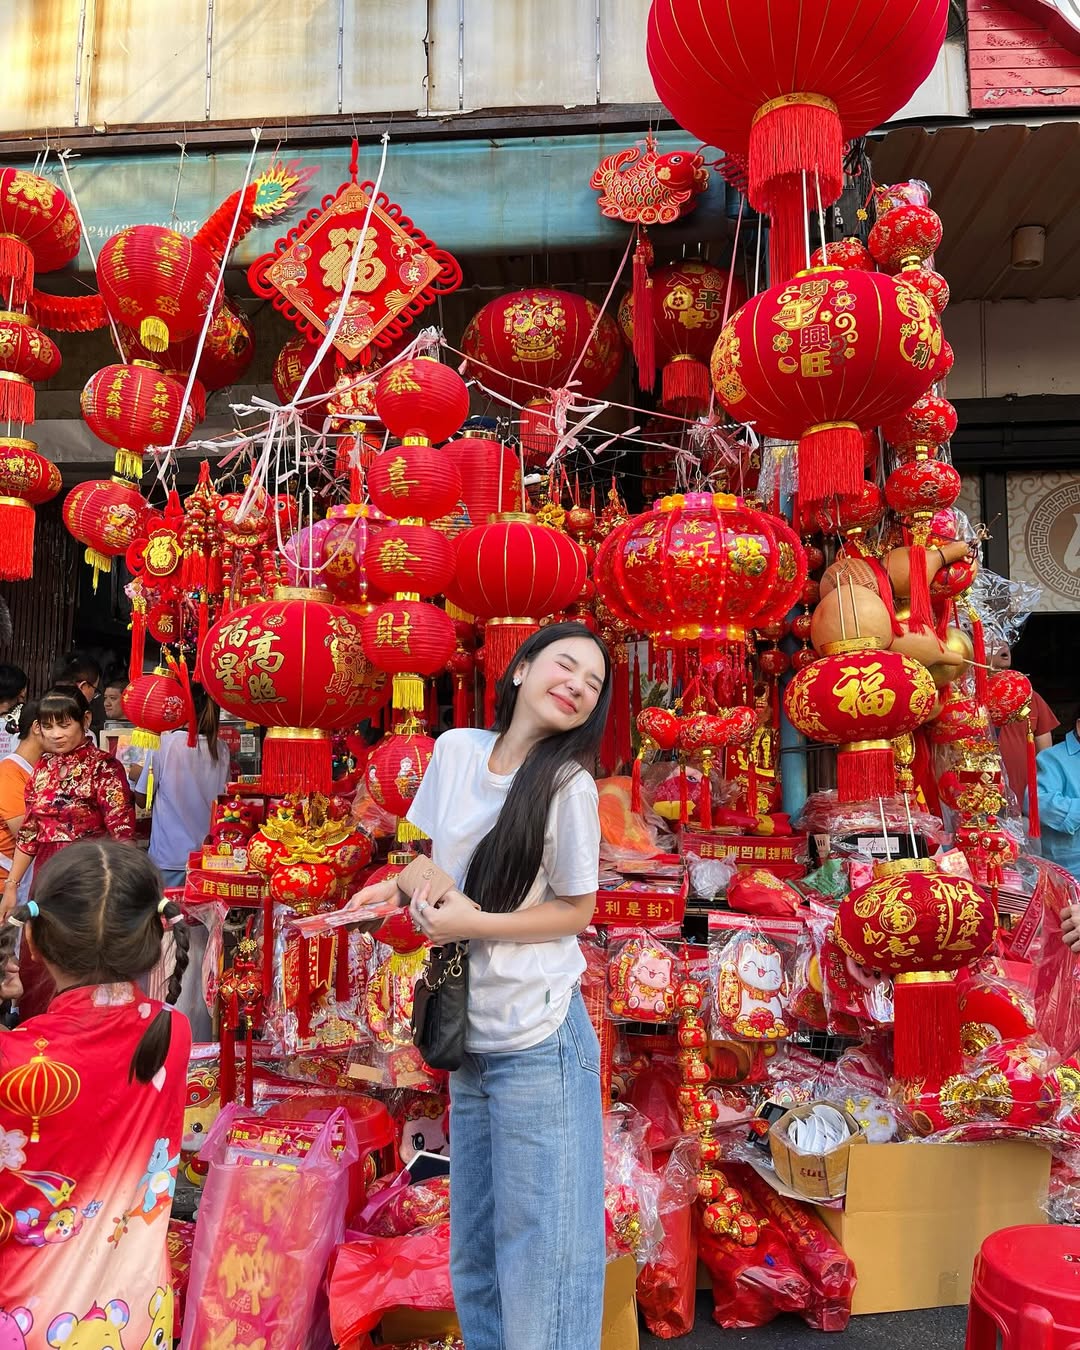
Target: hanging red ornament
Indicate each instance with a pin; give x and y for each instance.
(849, 252)
(413, 558)
(414, 481)
(408, 639)
(134, 407)
(933, 286)
(905, 237)
(852, 513)
(929, 422)
(921, 487)
(154, 704)
(490, 475)
(227, 353)
(159, 282)
(107, 516)
(293, 360)
(39, 231)
(27, 479)
(421, 398)
(394, 770)
(350, 530)
(26, 355)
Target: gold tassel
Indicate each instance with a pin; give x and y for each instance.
(153, 333)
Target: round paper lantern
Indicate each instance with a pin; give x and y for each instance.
(905, 237)
(39, 230)
(133, 407)
(296, 665)
(920, 926)
(922, 486)
(414, 481)
(26, 354)
(395, 767)
(306, 887)
(107, 515)
(408, 639)
(227, 353)
(351, 530)
(688, 304)
(158, 282)
(412, 558)
(788, 87)
(490, 475)
(511, 574)
(291, 362)
(27, 479)
(821, 359)
(154, 704)
(860, 701)
(421, 398)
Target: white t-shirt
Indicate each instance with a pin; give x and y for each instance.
(519, 992)
(187, 782)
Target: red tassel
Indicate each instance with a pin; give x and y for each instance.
(705, 795)
(684, 794)
(635, 687)
(885, 591)
(138, 639)
(926, 1032)
(341, 968)
(982, 674)
(303, 988)
(267, 944)
(830, 462)
(922, 613)
(16, 540)
(865, 773)
(635, 784)
(227, 1062)
(644, 324)
(16, 270)
(69, 313)
(686, 385)
(1034, 823)
(296, 760)
(249, 1063)
(501, 641)
(16, 398)
(462, 702)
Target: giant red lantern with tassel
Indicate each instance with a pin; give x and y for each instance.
(920, 926)
(785, 84)
(27, 479)
(821, 359)
(26, 355)
(159, 282)
(860, 699)
(39, 231)
(296, 665)
(107, 515)
(133, 407)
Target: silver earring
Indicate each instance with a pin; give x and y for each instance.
(517, 680)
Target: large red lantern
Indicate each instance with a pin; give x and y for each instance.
(822, 359)
(860, 700)
(394, 770)
(296, 665)
(39, 231)
(920, 926)
(26, 355)
(107, 515)
(922, 486)
(787, 85)
(154, 704)
(421, 398)
(490, 475)
(26, 480)
(511, 574)
(158, 282)
(227, 352)
(688, 306)
(133, 407)
(409, 640)
(409, 481)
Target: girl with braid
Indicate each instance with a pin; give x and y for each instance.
(92, 1096)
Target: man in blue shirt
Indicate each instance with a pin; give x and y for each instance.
(1059, 802)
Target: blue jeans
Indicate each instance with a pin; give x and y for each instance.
(527, 1193)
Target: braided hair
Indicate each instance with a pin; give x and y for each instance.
(98, 915)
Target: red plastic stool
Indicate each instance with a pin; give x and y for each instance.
(1027, 1287)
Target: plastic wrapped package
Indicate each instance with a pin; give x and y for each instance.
(594, 993)
(709, 877)
(1003, 605)
(846, 823)
(624, 833)
(319, 991)
(860, 1085)
(751, 965)
(1037, 938)
(181, 1240)
(371, 1274)
(641, 979)
(752, 1285)
(264, 1238)
(399, 1206)
(856, 999)
(666, 1286)
(654, 1093)
(631, 1188)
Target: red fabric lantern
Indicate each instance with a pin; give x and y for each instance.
(292, 361)
(410, 558)
(861, 701)
(920, 926)
(688, 306)
(421, 398)
(490, 475)
(930, 284)
(511, 574)
(343, 547)
(107, 515)
(154, 704)
(26, 355)
(227, 353)
(409, 639)
(820, 360)
(133, 407)
(849, 252)
(922, 486)
(905, 237)
(1009, 696)
(26, 480)
(159, 282)
(39, 230)
(295, 664)
(787, 87)
(931, 420)
(414, 481)
(853, 513)
(395, 767)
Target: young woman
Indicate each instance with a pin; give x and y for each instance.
(187, 779)
(512, 815)
(91, 1109)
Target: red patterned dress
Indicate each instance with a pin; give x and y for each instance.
(88, 1165)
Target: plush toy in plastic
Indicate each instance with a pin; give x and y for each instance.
(752, 989)
(641, 981)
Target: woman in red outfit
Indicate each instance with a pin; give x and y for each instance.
(76, 792)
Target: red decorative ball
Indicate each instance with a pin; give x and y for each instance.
(414, 480)
(154, 704)
(773, 661)
(905, 236)
(852, 513)
(954, 580)
(516, 567)
(26, 474)
(410, 558)
(803, 658)
(227, 353)
(157, 281)
(960, 719)
(850, 253)
(815, 557)
(810, 593)
(1009, 695)
(922, 485)
(408, 636)
(659, 725)
(800, 627)
(930, 284)
(421, 398)
(945, 362)
(931, 420)
(306, 887)
(133, 407)
(292, 361)
(395, 768)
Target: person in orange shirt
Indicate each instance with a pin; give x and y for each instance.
(1012, 737)
(15, 771)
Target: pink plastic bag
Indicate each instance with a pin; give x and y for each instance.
(263, 1241)
(372, 1274)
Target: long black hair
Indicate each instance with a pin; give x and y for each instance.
(98, 919)
(207, 719)
(507, 859)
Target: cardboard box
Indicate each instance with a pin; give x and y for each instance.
(620, 1326)
(916, 1214)
(813, 1176)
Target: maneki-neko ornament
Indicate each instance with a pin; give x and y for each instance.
(751, 990)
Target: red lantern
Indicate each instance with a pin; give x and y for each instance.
(511, 574)
(1009, 695)
(945, 360)
(850, 252)
(920, 926)
(905, 237)
(39, 230)
(930, 284)
(922, 486)
(409, 639)
(861, 701)
(154, 704)
(227, 353)
(852, 513)
(688, 307)
(490, 475)
(410, 558)
(414, 481)
(292, 361)
(421, 398)
(930, 421)
(294, 664)
(26, 355)
(26, 480)
(107, 516)
(395, 767)
(820, 360)
(787, 89)
(132, 408)
(343, 547)
(159, 282)
(306, 887)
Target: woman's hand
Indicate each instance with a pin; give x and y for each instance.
(378, 893)
(10, 984)
(9, 898)
(1070, 927)
(453, 919)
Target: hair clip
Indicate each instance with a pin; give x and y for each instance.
(162, 905)
(32, 909)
